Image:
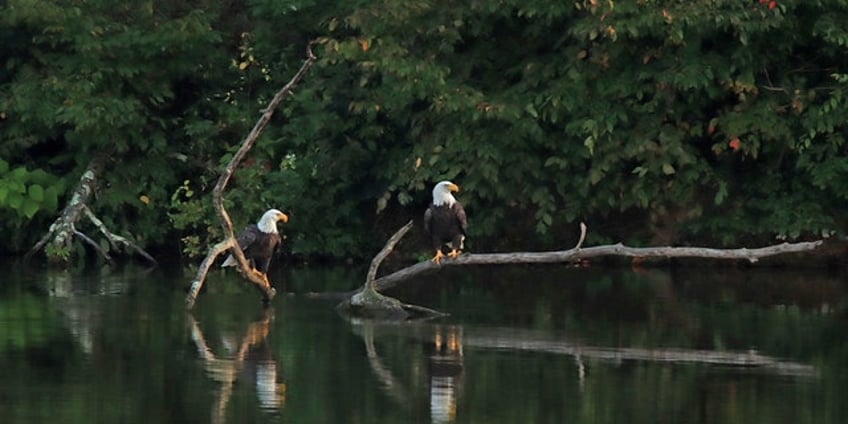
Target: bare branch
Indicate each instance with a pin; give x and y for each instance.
(197, 284)
(258, 279)
(582, 236)
(390, 245)
(93, 244)
(571, 255)
(115, 239)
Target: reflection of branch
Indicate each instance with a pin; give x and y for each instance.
(532, 342)
(389, 383)
(221, 370)
(259, 279)
(226, 371)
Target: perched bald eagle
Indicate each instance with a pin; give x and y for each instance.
(259, 241)
(445, 221)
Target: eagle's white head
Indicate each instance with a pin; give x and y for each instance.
(443, 193)
(268, 222)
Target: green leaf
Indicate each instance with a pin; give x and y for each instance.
(30, 208)
(14, 200)
(36, 193)
(667, 169)
(19, 173)
(51, 199)
(4, 166)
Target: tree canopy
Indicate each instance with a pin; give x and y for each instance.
(671, 122)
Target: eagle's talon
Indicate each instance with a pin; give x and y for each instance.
(454, 254)
(438, 258)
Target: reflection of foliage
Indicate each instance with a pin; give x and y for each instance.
(25, 322)
(145, 368)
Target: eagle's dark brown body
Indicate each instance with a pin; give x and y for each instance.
(445, 221)
(259, 241)
(258, 247)
(446, 224)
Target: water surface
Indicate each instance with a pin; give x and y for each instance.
(546, 344)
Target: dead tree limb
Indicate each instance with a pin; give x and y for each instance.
(115, 240)
(259, 280)
(61, 232)
(57, 242)
(578, 252)
(367, 302)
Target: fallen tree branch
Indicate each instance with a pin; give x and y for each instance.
(61, 233)
(258, 279)
(578, 252)
(368, 302)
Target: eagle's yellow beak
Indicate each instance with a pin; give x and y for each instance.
(453, 187)
(283, 217)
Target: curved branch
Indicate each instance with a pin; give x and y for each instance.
(390, 245)
(257, 278)
(367, 301)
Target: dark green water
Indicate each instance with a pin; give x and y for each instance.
(521, 345)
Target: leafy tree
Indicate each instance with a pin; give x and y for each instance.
(90, 76)
(660, 122)
(715, 122)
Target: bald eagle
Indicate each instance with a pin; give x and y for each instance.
(445, 221)
(259, 241)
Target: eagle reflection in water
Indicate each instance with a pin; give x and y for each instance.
(445, 370)
(247, 358)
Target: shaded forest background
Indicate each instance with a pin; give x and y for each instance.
(657, 122)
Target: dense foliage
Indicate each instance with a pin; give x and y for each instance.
(719, 122)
